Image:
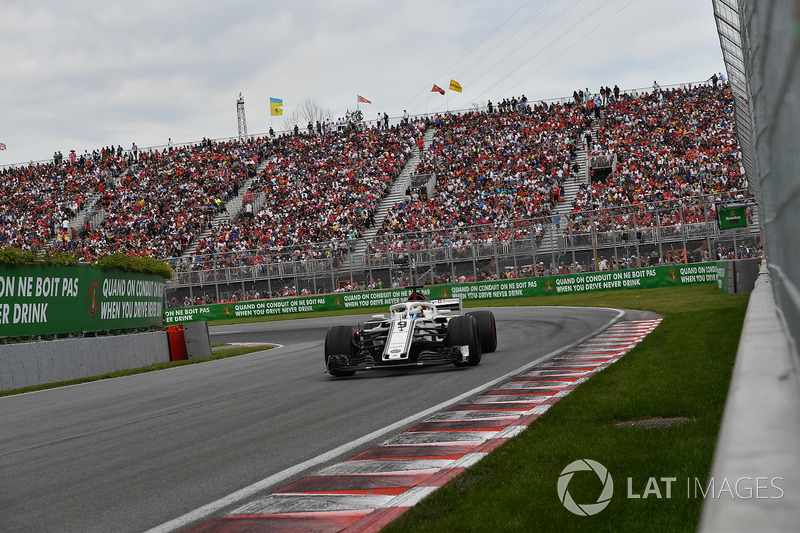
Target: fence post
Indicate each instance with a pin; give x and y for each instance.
(368, 259)
(572, 245)
(706, 201)
(494, 254)
(295, 268)
(474, 264)
(658, 236)
(552, 245)
(683, 231)
(452, 257)
(636, 229)
(350, 262)
(216, 277)
(333, 279)
(514, 251)
(594, 242)
(390, 262)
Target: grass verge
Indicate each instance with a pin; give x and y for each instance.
(682, 369)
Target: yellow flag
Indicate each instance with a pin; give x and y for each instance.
(275, 108)
(455, 86)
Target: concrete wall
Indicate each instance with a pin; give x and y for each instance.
(35, 363)
(757, 446)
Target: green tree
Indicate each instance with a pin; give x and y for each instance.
(354, 119)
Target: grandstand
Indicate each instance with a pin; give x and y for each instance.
(521, 189)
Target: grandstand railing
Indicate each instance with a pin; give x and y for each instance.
(603, 160)
(95, 218)
(614, 238)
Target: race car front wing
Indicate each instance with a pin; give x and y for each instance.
(363, 360)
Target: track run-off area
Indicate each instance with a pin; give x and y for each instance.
(270, 436)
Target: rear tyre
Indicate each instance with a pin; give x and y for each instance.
(338, 342)
(463, 330)
(487, 331)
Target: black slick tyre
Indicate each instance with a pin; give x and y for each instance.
(487, 331)
(463, 330)
(338, 342)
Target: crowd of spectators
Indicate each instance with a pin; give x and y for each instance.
(492, 168)
(165, 199)
(674, 153)
(41, 199)
(670, 145)
(500, 171)
(151, 202)
(320, 192)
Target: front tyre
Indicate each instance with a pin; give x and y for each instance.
(487, 331)
(338, 343)
(461, 331)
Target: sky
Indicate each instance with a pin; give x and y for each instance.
(85, 74)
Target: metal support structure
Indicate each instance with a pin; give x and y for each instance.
(683, 232)
(240, 118)
(659, 236)
(474, 251)
(572, 245)
(269, 276)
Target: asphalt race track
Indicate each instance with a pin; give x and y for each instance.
(135, 453)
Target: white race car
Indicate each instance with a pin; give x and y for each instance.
(417, 332)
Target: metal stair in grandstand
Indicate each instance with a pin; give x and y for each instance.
(570, 189)
(234, 206)
(395, 196)
(87, 212)
(232, 209)
(572, 185)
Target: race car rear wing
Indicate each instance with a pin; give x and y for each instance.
(448, 305)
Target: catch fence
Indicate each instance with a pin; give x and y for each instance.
(684, 230)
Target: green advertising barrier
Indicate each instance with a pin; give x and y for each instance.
(47, 300)
(640, 278)
(722, 277)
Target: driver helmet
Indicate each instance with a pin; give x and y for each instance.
(415, 311)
